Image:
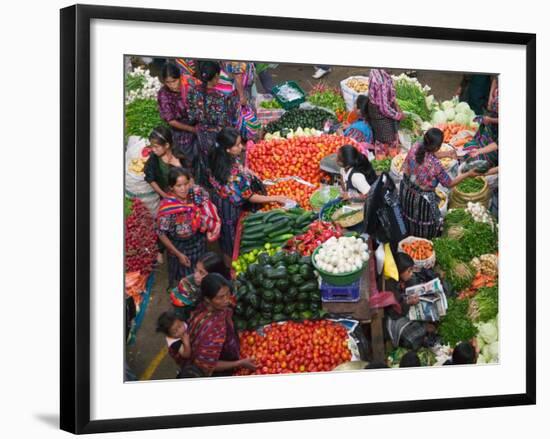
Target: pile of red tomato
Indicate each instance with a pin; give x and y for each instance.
(292, 189)
(292, 347)
(299, 156)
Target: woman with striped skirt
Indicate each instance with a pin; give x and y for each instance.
(422, 173)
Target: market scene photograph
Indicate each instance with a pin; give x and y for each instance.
(293, 218)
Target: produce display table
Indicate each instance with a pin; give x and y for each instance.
(361, 311)
(356, 310)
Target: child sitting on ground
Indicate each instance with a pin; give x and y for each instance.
(410, 334)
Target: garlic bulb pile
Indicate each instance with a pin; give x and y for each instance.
(479, 213)
(342, 255)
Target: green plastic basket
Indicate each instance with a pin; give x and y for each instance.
(338, 279)
(287, 105)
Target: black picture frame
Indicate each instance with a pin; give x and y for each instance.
(75, 217)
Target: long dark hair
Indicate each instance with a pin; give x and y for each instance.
(161, 135)
(403, 262)
(169, 70)
(177, 172)
(220, 160)
(213, 263)
(362, 104)
(464, 353)
(351, 158)
(207, 71)
(211, 285)
(433, 138)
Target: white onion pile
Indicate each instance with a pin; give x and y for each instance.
(342, 255)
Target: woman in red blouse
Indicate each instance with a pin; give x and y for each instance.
(422, 173)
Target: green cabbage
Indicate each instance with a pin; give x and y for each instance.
(439, 117)
(462, 119)
(462, 107)
(447, 105)
(450, 113)
(487, 303)
(493, 352)
(488, 332)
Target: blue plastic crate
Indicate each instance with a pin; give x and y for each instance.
(341, 293)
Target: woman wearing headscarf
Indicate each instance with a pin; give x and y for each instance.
(383, 111)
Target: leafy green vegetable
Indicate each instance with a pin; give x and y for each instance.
(134, 82)
(142, 115)
(478, 239)
(382, 165)
(322, 196)
(128, 205)
(412, 99)
(409, 124)
(448, 252)
(394, 357)
(487, 303)
(471, 185)
(328, 99)
(458, 217)
(456, 326)
(426, 357)
(460, 275)
(271, 104)
(327, 213)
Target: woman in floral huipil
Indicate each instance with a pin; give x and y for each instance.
(422, 173)
(174, 111)
(213, 105)
(231, 183)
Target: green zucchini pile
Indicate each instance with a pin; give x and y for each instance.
(274, 227)
(276, 288)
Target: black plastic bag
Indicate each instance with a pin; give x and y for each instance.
(383, 217)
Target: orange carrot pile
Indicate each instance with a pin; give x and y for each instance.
(418, 250)
(459, 143)
(452, 129)
(480, 281)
